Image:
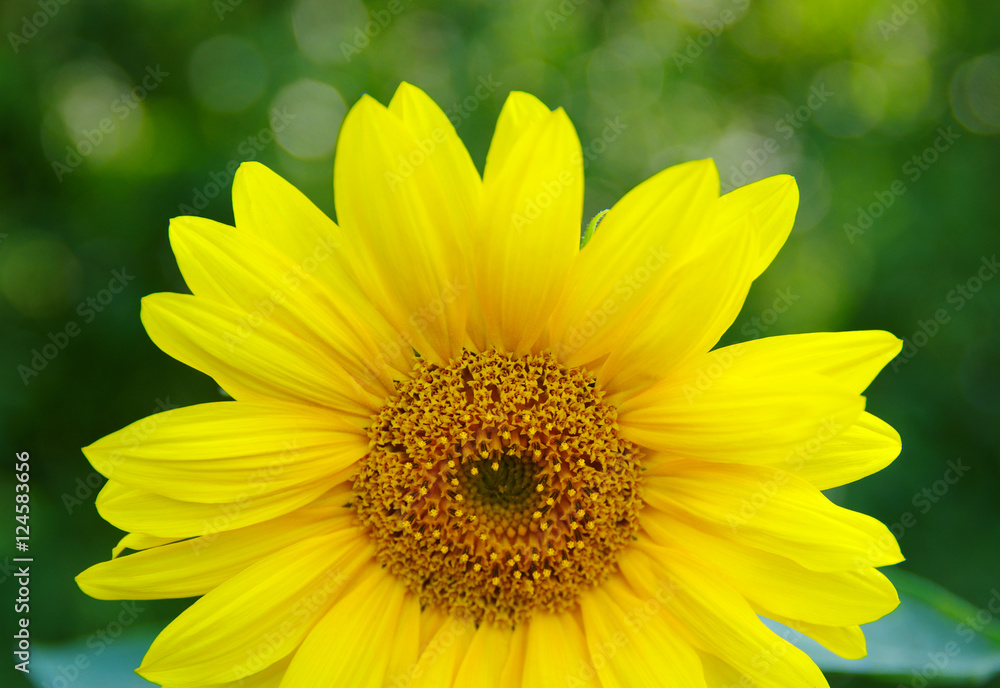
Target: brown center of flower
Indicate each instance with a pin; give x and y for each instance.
(498, 485)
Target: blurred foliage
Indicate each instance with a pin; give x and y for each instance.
(117, 116)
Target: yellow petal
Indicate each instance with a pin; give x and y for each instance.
(642, 241)
(520, 111)
(774, 511)
(483, 664)
(251, 357)
(194, 567)
(719, 619)
(851, 358)
(630, 641)
(513, 668)
(347, 647)
(272, 210)
(427, 121)
(845, 641)
(866, 447)
(441, 658)
(270, 677)
(227, 451)
(269, 209)
(741, 419)
(406, 643)
(533, 204)
(260, 615)
(776, 584)
(138, 542)
(686, 316)
(556, 653)
(394, 201)
(773, 202)
(237, 269)
(140, 511)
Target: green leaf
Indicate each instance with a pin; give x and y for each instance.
(591, 229)
(933, 637)
(99, 660)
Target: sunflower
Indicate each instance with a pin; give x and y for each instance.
(464, 451)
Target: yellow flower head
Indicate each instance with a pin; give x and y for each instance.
(463, 451)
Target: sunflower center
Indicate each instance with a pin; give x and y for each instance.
(498, 485)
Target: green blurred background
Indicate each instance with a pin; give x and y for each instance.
(115, 117)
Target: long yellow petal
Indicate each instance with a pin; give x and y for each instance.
(225, 451)
(140, 541)
(866, 447)
(845, 641)
(250, 356)
(269, 209)
(483, 664)
(347, 647)
(777, 584)
(243, 272)
(556, 653)
(632, 644)
(194, 567)
(406, 642)
(270, 677)
(719, 620)
(260, 615)
(773, 202)
(641, 242)
(394, 202)
(774, 511)
(740, 419)
(532, 210)
(851, 358)
(140, 511)
(687, 316)
(442, 656)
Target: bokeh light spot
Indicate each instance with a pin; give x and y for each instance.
(323, 28)
(975, 94)
(314, 112)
